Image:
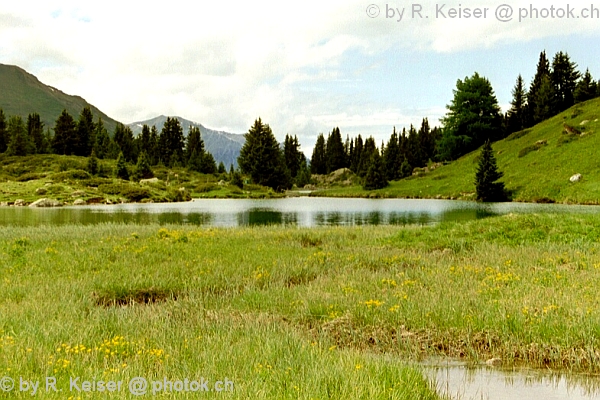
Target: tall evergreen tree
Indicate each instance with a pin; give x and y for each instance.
(20, 143)
(318, 164)
(486, 178)
(517, 115)
(35, 131)
(294, 158)
(4, 139)
(142, 168)
(121, 171)
(64, 134)
(392, 159)
(564, 78)
(171, 142)
(473, 117)
(144, 137)
(356, 154)
(366, 156)
(102, 147)
(375, 177)
(545, 101)
(262, 159)
(153, 147)
(427, 142)
(92, 165)
(194, 143)
(86, 130)
(586, 88)
(335, 156)
(123, 137)
(542, 70)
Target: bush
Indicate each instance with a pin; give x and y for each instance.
(177, 195)
(96, 182)
(134, 193)
(206, 187)
(78, 174)
(110, 188)
(29, 177)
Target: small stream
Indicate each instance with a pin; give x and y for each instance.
(462, 382)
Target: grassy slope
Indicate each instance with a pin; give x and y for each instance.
(540, 174)
(22, 94)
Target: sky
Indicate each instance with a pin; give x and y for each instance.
(303, 67)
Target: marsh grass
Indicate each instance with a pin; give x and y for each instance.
(295, 313)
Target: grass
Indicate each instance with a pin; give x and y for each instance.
(64, 178)
(285, 312)
(525, 157)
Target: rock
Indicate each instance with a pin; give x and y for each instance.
(108, 201)
(584, 122)
(41, 191)
(48, 184)
(494, 362)
(151, 180)
(182, 189)
(19, 203)
(4, 204)
(576, 178)
(222, 183)
(79, 202)
(541, 142)
(46, 203)
(78, 193)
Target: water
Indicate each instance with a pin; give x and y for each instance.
(490, 383)
(299, 211)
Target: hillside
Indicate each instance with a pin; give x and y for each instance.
(224, 146)
(22, 94)
(537, 165)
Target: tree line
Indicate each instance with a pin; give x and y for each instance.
(86, 138)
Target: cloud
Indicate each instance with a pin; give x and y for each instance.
(304, 67)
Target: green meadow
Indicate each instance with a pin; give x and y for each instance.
(285, 312)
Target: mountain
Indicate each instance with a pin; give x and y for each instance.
(224, 146)
(22, 93)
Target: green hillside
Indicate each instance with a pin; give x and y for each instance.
(22, 93)
(537, 164)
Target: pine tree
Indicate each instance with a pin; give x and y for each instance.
(92, 165)
(366, 156)
(4, 139)
(545, 101)
(517, 115)
(35, 131)
(486, 178)
(123, 137)
(171, 142)
(64, 134)
(142, 168)
(221, 168)
(262, 159)
(543, 70)
(335, 157)
(564, 77)
(121, 171)
(84, 139)
(586, 88)
(102, 147)
(318, 163)
(405, 169)
(356, 154)
(392, 159)
(144, 141)
(20, 143)
(153, 149)
(375, 177)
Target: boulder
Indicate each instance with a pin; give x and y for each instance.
(41, 191)
(19, 203)
(151, 180)
(79, 202)
(4, 204)
(46, 203)
(576, 178)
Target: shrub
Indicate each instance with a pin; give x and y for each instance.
(78, 174)
(135, 193)
(110, 188)
(29, 177)
(206, 187)
(519, 134)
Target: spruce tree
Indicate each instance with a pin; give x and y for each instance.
(20, 143)
(545, 101)
(121, 171)
(542, 70)
(487, 187)
(92, 165)
(142, 168)
(123, 137)
(262, 159)
(318, 163)
(171, 142)
(392, 158)
(517, 115)
(405, 169)
(221, 168)
(366, 156)
(564, 77)
(65, 132)
(375, 177)
(102, 140)
(335, 156)
(586, 88)
(35, 131)
(3, 133)
(85, 137)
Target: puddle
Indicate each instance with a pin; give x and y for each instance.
(462, 382)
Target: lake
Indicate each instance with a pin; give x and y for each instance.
(298, 211)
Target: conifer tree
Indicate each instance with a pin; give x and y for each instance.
(318, 163)
(171, 142)
(366, 156)
(64, 134)
(84, 139)
(221, 168)
(356, 154)
(375, 177)
(102, 140)
(392, 159)
(586, 88)
(121, 171)
(405, 169)
(262, 159)
(4, 139)
(142, 168)
(545, 101)
(20, 143)
(92, 165)
(542, 70)
(123, 137)
(487, 187)
(564, 77)
(335, 157)
(517, 115)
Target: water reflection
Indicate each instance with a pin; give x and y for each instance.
(465, 383)
(293, 211)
